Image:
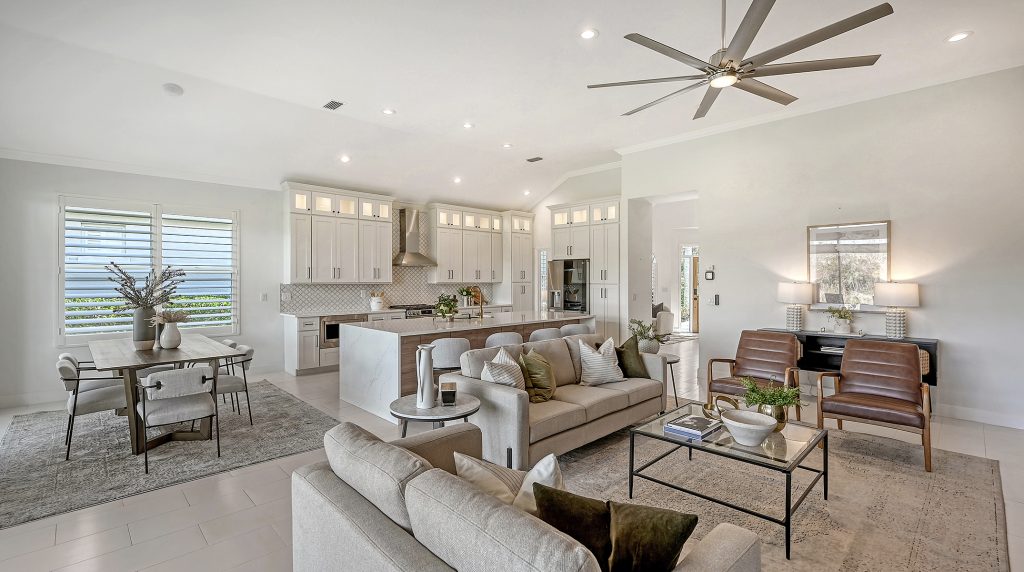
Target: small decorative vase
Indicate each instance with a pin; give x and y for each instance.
(467, 301)
(648, 346)
(376, 303)
(425, 377)
(143, 330)
(170, 337)
(842, 327)
(778, 412)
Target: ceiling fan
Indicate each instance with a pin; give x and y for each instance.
(729, 66)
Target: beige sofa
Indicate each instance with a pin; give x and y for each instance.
(577, 415)
(395, 512)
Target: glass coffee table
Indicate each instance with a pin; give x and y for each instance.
(781, 452)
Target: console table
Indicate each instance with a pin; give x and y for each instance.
(815, 358)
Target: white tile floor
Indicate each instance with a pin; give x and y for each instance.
(241, 520)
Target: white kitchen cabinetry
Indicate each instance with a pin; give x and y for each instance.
(476, 256)
(300, 201)
(570, 243)
(522, 258)
(523, 297)
(335, 250)
(375, 245)
(477, 221)
(604, 254)
(448, 217)
(465, 246)
(604, 305)
(309, 350)
(374, 209)
(496, 257)
(446, 250)
(521, 223)
(332, 204)
(300, 261)
(604, 213)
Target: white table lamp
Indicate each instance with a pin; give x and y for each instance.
(797, 295)
(896, 296)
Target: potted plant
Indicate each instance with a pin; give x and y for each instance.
(467, 296)
(170, 337)
(447, 306)
(647, 341)
(772, 400)
(843, 318)
(143, 299)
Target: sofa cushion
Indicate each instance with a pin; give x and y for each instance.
(874, 407)
(647, 538)
(557, 354)
(473, 361)
(377, 470)
(572, 343)
(504, 374)
(553, 417)
(595, 401)
(471, 530)
(509, 485)
(630, 360)
(585, 519)
(638, 389)
(600, 365)
(540, 383)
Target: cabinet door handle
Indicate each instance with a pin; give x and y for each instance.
(309, 272)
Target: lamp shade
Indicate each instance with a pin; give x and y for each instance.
(897, 294)
(795, 292)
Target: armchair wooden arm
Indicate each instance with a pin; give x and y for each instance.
(792, 377)
(711, 366)
(821, 394)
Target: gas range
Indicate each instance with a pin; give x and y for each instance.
(414, 310)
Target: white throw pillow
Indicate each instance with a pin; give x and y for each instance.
(504, 374)
(509, 485)
(601, 365)
(504, 357)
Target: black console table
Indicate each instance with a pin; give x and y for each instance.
(817, 356)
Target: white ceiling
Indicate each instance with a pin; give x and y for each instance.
(80, 83)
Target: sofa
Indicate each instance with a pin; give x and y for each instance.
(400, 507)
(518, 433)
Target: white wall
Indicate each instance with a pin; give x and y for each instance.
(943, 163)
(28, 250)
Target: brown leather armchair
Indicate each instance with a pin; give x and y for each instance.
(880, 383)
(766, 357)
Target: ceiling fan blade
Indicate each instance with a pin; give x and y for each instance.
(749, 27)
(643, 81)
(815, 65)
(707, 102)
(660, 99)
(764, 90)
(670, 52)
(819, 36)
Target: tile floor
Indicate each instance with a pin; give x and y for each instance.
(241, 520)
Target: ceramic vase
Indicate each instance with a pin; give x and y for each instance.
(842, 327)
(779, 412)
(648, 346)
(143, 330)
(376, 303)
(170, 337)
(425, 377)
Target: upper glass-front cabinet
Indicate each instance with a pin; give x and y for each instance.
(570, 216)
(580, 215)
(300, 201)
(604, 213)
(375, 209)
(447, 217)
(560, 218)
(477, 220)
(496, 223)
(522, 224)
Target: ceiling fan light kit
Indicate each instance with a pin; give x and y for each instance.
(729, 66)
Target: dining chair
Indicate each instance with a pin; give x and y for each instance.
(230, 343)
(89, 378)
(503, 339)
(175, 396)
(87, 396)
(447, 352)
(232, 383)
(545, 334)
(574, 329)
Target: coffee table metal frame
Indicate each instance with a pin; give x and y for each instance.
(680, 442)
(404, 409)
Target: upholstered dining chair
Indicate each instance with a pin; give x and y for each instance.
(86, 396)
(545, 334)
(768, 358)
(235, 381)
(87, 375)
(503, 339)
(446, 354)
(574, 329)
(880, 383)
(176, 396)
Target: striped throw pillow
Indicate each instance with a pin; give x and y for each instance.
(504, 374)
(600, 365)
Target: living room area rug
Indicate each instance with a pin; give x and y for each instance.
(36, 481)
(884, 511)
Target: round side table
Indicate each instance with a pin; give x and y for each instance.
(673, 359)
(404, 408)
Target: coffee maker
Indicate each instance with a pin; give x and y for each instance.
(568, 282)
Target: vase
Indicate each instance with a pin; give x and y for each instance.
(143, 330)
(779, 412)
(376, 303)
(424, 376)
(648, 346)
(170, 337)
(842, 327)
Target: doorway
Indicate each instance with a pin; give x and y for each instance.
(689, 289)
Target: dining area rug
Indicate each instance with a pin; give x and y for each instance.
(884, 512)
(36, 481)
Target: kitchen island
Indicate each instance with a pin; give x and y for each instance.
(378, 359)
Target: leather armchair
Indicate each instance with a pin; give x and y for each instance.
(769, 358)
(880, 383)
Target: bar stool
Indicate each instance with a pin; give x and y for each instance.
(503, 339)
(545, 334)
(672, 359)
(447, 352)
(575, 329)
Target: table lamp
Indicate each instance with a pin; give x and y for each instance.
(896, 296)
(797, 295)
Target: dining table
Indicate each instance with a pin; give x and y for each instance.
(120, 355)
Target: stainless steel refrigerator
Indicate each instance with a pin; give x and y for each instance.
(567, 285)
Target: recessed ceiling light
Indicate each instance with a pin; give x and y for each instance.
(526, 192)
(457, 180)
(959, 36)
(506, 145)
(589, 34)
(467, 125)
(388, 111)
(174, 89)
(344, 158)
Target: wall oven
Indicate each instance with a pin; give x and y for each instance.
(329, 328)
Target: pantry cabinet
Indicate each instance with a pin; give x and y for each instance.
(604, 305)
(604, 254)
(375, 244)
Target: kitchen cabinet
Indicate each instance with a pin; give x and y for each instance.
(522, 258)
(335, 250)
(374, 209)
(448, 217)
(497, 260)
(523, 297)
(604, 305)
(300, 231)
(496, 223)
(309, 349)
(476, 256)
(604, 213)
(570, 243)
(521, 224)
(560, 218)
(300, 201)
(476, 221)
(375, 244)
(446, 250)
(604, 254)
(331, 204)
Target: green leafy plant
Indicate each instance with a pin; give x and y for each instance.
(840, 313)
(771, 395)
(465, 291)
(644, 331)
(447, 305)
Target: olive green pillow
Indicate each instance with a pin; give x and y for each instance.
(585, 519)
(630, 360)
(540, 380)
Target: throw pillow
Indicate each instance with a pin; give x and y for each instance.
(540, 383)
(586, 520)
(509, 485)
(630, 359)
(504, 356)
(647, 538)
(599, 366)
(504, 374)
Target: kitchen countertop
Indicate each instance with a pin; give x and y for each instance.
(426, 326)
(317, 312)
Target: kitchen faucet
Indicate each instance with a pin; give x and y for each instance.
(479, 295)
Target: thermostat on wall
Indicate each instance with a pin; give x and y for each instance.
(709, 274)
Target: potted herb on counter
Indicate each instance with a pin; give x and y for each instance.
(447, 306)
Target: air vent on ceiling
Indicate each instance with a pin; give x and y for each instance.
(534, 159)
(332, 105)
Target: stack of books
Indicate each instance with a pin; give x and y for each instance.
(695, 427)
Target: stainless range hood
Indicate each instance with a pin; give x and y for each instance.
(409, 240)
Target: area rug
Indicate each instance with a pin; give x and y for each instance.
(36, 481)
(883, 513)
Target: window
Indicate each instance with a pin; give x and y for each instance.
(542, 273)
(95, 233)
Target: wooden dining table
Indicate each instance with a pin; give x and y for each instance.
(121, 355)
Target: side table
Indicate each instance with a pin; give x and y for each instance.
(404, 408)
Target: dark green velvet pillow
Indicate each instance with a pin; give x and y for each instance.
(540, 379)
(585, 519)
(630, 360)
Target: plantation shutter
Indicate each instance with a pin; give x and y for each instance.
(204, 247)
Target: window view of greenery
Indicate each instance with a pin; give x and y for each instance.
(686, 281)
(846, 262)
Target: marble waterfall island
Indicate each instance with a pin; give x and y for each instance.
(378, 359)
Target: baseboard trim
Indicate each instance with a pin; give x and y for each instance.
(980, 416)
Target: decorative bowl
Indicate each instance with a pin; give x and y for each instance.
(748, 427)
